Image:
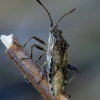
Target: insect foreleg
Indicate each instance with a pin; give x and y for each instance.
(36, 38)
(72, 67)
(38, 47)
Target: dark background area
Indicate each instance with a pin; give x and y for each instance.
(81, 29)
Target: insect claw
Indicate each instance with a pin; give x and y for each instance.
(66, 94)
(69, 96)
(17, 44)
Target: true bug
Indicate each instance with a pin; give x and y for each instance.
(57, 56)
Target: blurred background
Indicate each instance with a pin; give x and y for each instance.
(81, 29)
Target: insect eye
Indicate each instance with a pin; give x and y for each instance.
(60, 32)
(51, 31)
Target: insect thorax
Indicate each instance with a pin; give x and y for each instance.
(57, 45)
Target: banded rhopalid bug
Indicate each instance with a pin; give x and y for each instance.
(57, 57)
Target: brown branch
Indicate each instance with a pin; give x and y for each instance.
(30, 68)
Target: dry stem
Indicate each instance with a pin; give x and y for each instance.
(31, 70)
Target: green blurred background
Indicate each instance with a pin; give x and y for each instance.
(81, 29)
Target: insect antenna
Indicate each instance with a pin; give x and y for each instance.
(65, 15)
(46, 11)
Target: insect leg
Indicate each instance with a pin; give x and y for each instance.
(17, 44)
(40, 48)
(72, 67)
(43, 70)
(36, 38)
(40, 57)
(66, 93)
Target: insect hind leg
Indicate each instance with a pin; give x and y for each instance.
(36, 38)
(66, 94)
(72, 67)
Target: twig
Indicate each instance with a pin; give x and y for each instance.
(29, 67)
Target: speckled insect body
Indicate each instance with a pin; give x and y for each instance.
(57, 57)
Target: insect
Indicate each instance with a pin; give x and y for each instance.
(57, 57)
